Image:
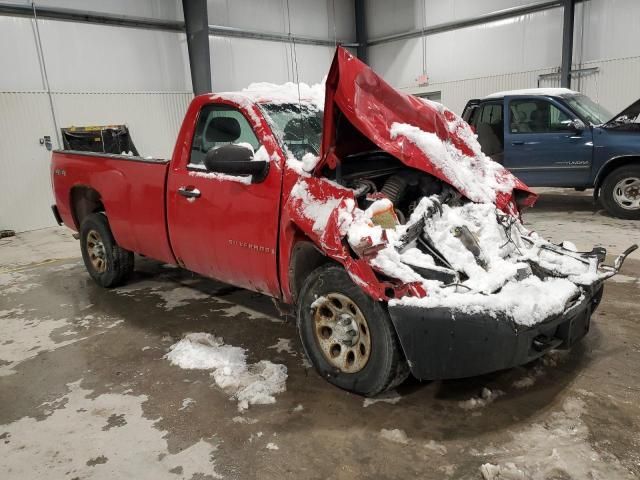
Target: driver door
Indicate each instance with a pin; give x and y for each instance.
(541, 146)
(224, 226)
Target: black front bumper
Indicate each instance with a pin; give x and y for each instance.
(442, 343)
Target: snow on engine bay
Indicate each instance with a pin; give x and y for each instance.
(504, 286)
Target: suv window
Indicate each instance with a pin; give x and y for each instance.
(537, 116)
(220, 125)
(488, 124)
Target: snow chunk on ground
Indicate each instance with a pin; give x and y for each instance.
(436, 447)
(272, 446)
(508, 471)
(283, 345)
(249, 384)
(391, 397)
(186, 403)
(247, 421)
(395, 435)
(486, 397)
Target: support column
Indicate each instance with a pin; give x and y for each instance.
(567, 43)
(197, 27)
(361, 31)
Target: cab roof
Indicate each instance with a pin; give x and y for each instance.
(551, 92)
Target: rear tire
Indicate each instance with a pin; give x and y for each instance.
(108, 264)
(621, 192)
(362, 354)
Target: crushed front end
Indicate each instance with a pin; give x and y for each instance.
(402, 196)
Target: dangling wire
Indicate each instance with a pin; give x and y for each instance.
(293, 49)
(424, 37)
(297, 72)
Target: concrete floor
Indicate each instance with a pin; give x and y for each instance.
(86, 393)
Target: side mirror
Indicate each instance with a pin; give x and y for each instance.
(577, 125)
(236, 160)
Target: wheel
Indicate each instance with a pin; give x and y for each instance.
(621, 192)
(347, 336)
(108, 264)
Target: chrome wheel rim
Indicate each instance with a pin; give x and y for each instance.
(342, 332)
(626, 193)
(96, 251)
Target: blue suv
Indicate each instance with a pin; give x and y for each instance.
(556, 137)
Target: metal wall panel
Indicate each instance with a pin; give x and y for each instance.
(238, 62)
(87, 57)
(153, 118)
(456, 94)
(25, 188)
(614, 85)
(156, 9)
(611, 29)
(312, 18)
(18, 55)
(386, 17)
(520, 44)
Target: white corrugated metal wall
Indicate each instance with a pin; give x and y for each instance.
(110, 75)
(237, 62)
(475, 61)
(97, 75)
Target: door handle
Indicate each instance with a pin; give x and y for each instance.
(519, 142)
(189, 192)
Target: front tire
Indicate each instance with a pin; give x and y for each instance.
(621, 192)
(108, 264)
(347, 336)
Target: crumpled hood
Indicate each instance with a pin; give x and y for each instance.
(423, 135)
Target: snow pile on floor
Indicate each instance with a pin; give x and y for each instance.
(559, 447)
(249, 384)
(395, 435)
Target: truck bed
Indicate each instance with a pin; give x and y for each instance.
(131, 190)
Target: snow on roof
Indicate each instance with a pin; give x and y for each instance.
(554, 92)
(264, 92)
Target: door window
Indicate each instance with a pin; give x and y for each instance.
(490, 128)
(220, 125)
(537, 116)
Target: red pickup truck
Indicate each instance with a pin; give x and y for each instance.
(373, 212)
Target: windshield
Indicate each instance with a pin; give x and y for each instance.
(588, 109)
(297, 126)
